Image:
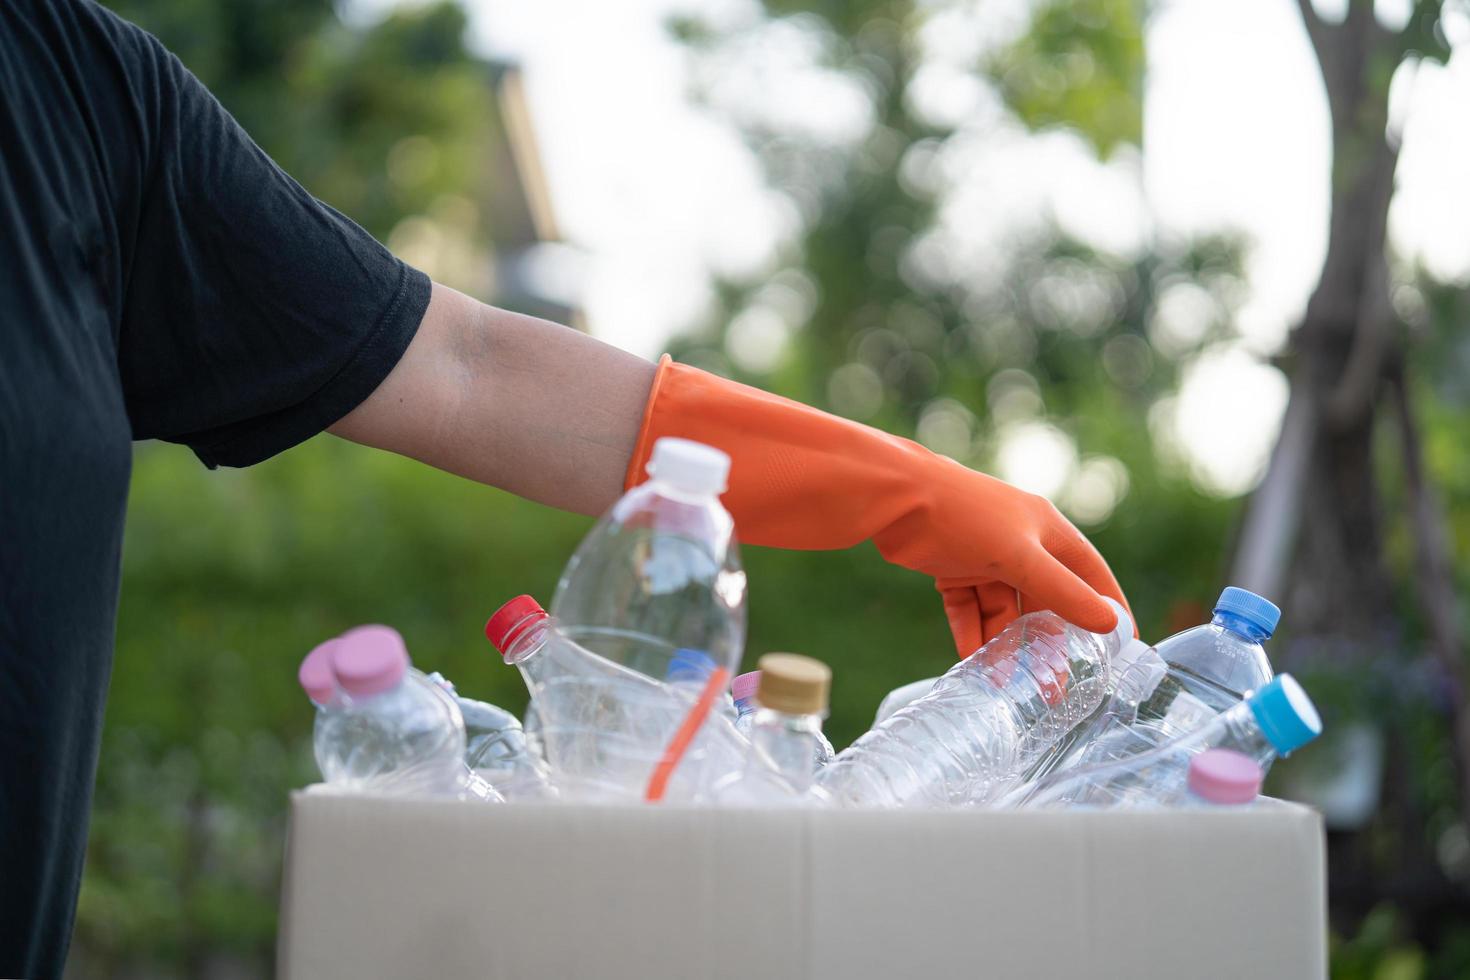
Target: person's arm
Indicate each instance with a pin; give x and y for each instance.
(541, 410)
(553, 415)
(255, 316)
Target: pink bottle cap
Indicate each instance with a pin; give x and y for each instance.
(1224, 776)
(744, 686)
(369, 660)
(315, 675)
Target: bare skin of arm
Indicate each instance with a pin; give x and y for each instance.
(541, 410)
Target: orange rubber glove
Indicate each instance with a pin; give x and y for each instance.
(804, 479)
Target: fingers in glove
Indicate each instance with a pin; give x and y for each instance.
(962, 609)
(999, 604)
(1070, 547)
(1056, 587)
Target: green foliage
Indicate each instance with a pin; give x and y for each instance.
(926, 338)
(1384, 949)
(1378, 952)
(380, 123)
(1424, 35)
(1079, 65)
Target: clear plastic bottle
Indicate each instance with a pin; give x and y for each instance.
(395, 731)
(496, 748)
(1135, 672)
(1274, 721)
(823, 747)
(605, 727)
(902, 696)
(531, 725)
(1183, 684)
(661, 571)
(692, 670)
(744, 689)
(320, 685)
(785, 737)
(690, 667)
(986, 720)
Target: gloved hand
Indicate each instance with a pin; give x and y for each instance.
(804, 479)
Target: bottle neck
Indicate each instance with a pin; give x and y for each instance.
(528, 638)
(789, 742)
(642, 496)
(1242, 732)
(361, 702)
(1240, 626)
(1204, 801)
(684, 492)
(745, 706)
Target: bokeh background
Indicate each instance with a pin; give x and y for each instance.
(1194, 270)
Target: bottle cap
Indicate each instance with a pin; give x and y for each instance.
(690, 666)
(1122, 633)
(689, 465)
(510, 622)
(315, 675)
(745, 685)
(369, 660)
(1224, 776)
(1256, 610)
(793, 684)
(1286, 715)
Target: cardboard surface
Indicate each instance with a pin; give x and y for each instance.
(391, 888)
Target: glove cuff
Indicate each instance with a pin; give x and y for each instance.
(643, 448)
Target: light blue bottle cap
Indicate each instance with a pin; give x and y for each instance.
(1286, 715)
(690, 665)
(1256, 610)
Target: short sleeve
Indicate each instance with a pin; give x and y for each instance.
(254, 315)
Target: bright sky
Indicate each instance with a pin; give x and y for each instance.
(660, 194)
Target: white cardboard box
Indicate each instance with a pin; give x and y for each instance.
(398, 889)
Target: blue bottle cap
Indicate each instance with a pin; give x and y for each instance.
(1286, 715)
(690, 665)
(1256, 610)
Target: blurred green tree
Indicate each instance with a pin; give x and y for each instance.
(1047, 346)
(380, 122)
(1349, 523)
(898, 327)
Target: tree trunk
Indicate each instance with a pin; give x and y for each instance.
(1333, 582)
(1345, 355)
(1339, 589)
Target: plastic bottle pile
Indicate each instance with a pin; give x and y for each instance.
(633, 695)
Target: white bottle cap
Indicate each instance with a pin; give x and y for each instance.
(1123, 631)
(689, 466)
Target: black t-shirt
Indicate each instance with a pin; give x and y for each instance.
(160, 278)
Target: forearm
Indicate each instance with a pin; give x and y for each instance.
(538, 409)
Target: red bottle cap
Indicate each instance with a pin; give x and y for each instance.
(510, 621)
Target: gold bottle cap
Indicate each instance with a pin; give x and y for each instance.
(794, 684)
